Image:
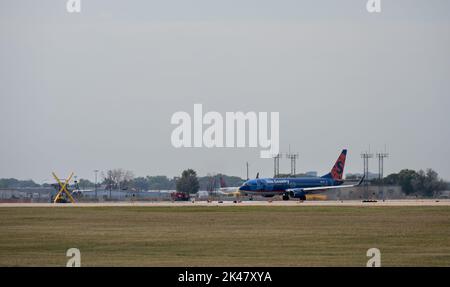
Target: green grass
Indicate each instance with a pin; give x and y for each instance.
(225, 236)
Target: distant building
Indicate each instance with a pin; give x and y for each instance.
(29, 194)
(371, 192)
(311, 173)
(444, 194)
(359, 175)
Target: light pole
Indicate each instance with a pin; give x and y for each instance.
(246, 164)
(95, 183)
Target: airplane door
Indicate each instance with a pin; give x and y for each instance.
(260, 184)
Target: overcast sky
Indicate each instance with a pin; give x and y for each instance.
(96, 90)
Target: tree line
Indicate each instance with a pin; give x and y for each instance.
(421, 183)
(16, 183)
(121, 179)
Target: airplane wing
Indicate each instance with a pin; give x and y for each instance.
(312, 190)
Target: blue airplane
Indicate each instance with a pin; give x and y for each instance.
(298, 187)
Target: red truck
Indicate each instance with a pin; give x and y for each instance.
(179, 196)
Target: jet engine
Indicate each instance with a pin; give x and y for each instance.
(300, 194)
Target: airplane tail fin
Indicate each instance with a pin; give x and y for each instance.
(222, 182)
(338, 169)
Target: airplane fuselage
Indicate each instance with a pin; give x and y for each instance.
(277, 186)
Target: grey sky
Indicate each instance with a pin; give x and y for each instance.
(96, 90)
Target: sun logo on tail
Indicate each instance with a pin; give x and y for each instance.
(338, 168)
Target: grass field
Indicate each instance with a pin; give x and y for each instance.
(225, 236)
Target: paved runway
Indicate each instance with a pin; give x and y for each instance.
(422, 202)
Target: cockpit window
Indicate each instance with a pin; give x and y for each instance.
(250, 182)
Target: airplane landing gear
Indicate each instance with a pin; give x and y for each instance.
(285, 196)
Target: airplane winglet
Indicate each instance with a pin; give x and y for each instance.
(361, 180)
